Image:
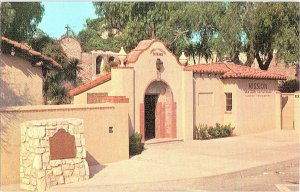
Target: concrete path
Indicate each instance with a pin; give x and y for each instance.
(199, 159)
(196, 159)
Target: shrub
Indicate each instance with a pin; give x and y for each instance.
(201, 132)
(135, 144)
(205, 132)
(289, 86)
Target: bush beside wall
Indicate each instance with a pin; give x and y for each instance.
(135, 144)
(289, 86)
(209, 132)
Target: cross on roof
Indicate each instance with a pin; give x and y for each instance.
(68, 29)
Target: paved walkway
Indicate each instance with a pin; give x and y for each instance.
(195, 159)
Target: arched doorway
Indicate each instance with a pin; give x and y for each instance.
(159, 111)
(98, 65)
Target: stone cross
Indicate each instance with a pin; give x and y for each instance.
(68, 29)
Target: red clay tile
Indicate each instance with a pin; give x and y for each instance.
(30, 50)
(231, 70)
(90, 85)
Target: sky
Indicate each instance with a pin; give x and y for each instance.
(58, 15)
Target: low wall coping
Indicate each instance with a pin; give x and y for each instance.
(38, 108)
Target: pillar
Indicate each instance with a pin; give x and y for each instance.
(278, 111)
(297, 111)
(187, 91)
(123, 85)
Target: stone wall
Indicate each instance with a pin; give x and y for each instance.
(86, 64)
(71, 47)
(44, 164)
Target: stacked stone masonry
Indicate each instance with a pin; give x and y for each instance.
(38, 171)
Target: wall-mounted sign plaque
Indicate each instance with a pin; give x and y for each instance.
(62, 145)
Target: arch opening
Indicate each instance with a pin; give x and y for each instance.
(159, 112)
(98, 64)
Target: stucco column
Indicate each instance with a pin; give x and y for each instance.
(123, 85)
(297, 111)
(278, 111)
(187, 105)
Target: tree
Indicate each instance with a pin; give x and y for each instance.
(261, 28)
(228, 38)
(228, 28)
(191, 51)
(143, 20)
(57, 82)
(91, 37)
(19, 20)
(275, 27)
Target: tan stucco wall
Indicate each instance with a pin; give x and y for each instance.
(287, 105)
(209, 99)
(251, 112)
(187, 106)
(21, 84)
(172, 75)
(200, 99)
(122, 84)
(82, 97)
(297, 111)
(230, 86)
(256, 111)
(101, 146)
(133, 81)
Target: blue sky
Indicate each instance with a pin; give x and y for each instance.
(58, 14)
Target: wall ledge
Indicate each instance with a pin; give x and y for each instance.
(41, 108)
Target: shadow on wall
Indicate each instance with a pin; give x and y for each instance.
(8, 121)
(13, 90)
(284, 100)
(130, 125)
(8, 96)
(94, 165)
(18, 63)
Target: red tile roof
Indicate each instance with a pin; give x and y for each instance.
(30, 51)
(90, 85)
(231, 70)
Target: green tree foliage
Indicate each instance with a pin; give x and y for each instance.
(201, 28)
(270, 27)
(57, 82)
(261, 28)
(91, 37)
(289, 86)
(19, 20)
(137, 21)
